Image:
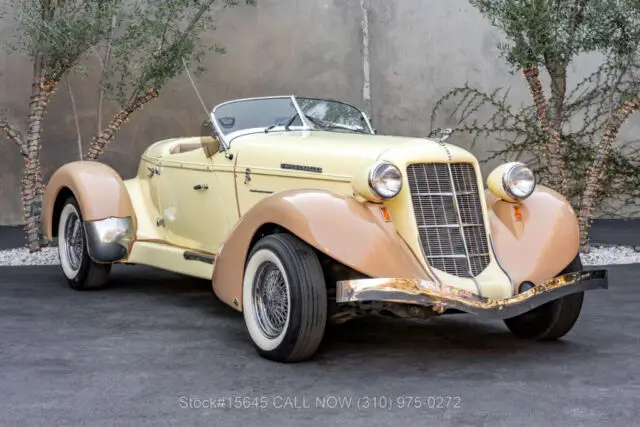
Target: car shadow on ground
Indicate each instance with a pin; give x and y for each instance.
(456, 335)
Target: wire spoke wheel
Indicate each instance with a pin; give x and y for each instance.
(75, 260)
(271, 299)
(74, 236)
(284, 298)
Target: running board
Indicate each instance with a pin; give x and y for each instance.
(194, 256)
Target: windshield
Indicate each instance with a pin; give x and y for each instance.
(264, 114)
(255, 113)
(330, 114)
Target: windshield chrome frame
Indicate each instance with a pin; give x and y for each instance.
(306, 123)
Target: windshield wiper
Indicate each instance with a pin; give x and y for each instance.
(287, 124)
(335, 126)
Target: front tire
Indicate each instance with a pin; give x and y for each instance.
(81, 271)
(284, 299)
(552, 320)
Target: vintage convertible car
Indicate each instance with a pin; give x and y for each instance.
(301, 214)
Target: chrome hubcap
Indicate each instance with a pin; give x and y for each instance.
(74, 240)
(270, 299)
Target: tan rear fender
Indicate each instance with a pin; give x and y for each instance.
(352, 233)
(535, 239)
(110, 221)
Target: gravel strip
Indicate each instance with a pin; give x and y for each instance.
(47, 256)
(611, 254)
(599, 255)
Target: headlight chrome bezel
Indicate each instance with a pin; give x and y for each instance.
(511, 168)
(375, 173)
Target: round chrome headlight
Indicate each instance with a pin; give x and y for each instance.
(385, 180)
(518, 181)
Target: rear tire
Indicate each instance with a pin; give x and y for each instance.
(81, 271)
(284, 299)
(552, 320)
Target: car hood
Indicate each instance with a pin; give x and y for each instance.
(339, 155)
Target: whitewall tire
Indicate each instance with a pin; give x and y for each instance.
(284, 299)
(80, 270)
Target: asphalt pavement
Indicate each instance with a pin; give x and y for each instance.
(155, 347)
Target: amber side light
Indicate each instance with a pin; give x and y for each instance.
(517, 213)
(385, 214)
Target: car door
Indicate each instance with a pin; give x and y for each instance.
(287, 161)
(191, 203)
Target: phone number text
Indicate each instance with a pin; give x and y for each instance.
(321, 402)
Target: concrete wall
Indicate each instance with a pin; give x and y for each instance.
(419, 50)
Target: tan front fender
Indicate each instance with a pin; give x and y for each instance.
(98, 188)
(541, 243)
(350, 232)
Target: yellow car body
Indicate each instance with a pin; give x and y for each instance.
(198, 204)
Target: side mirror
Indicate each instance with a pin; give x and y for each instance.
(206, 129)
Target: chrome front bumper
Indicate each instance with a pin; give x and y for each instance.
(108, 240)
(443, 297)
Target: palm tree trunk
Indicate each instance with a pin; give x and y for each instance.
(101, 141)
(589, 197)
(32, 188)
(553, 152)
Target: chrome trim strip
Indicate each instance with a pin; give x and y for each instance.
(442, 297)
(109, 240)
(301, 168)
(254, 98)
(461, 227)
(195, 256)
(253, 131)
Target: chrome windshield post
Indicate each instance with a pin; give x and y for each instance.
(306, 124)
(224, 145)
(368, 122)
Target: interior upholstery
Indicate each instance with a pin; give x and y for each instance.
(185, 147)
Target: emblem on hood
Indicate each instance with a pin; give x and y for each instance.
(303, 168)
(440, 136)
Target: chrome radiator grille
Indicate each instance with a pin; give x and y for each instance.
(449, 216)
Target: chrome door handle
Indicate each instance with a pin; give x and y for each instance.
(201, 187)
(247, 175)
